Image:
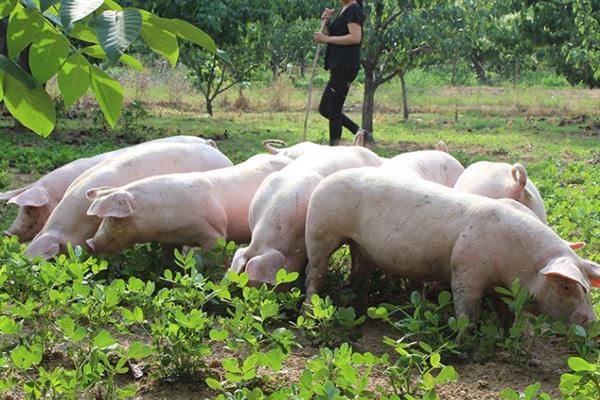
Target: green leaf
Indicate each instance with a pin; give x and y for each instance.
(1, 98)
(46, 4)
(84, 33)
(269, 310)
(578, 364)
(218, 335)
(116, 30)
(103, 339)
(23, 27)
(109, 94)
(213, 384)
(47, 53)
(194, 34)
(139, 350)
(33, 108)
(6, 7)
(75, 10)
(435, 360)
(231, 365)
(97, 52)
(24, 358)
(67, 325)
(162, 42)
(509, 394)
(8, 326)
(532, 390)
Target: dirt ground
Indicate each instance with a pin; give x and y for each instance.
(476, 382)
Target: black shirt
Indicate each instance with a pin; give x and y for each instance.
(344, 56)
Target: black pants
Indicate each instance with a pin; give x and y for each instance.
(333, 100)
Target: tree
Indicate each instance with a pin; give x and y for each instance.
(569, 32)
(59, 37)
(235, 25)
(395, 34)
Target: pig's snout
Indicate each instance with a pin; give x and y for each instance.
(91, 245)
(583, 318)
(8, 234)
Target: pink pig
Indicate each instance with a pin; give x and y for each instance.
(431, 165)
(194, 209)
(501, 180)
(69, 222)
(278, 211)
(38, 200)
(423, 231)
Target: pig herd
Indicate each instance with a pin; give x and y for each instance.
(420, 215)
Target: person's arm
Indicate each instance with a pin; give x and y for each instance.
(354, 37)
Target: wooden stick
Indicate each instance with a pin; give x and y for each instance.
(310, 83)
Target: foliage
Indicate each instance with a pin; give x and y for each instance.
(60, 37)
(327, 324)
(583, 382)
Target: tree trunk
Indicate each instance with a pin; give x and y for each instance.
(454, 64)
(209, 105)
(405, 112)
(479, 66)
(368, 100)
(516, 73)
(302, 63)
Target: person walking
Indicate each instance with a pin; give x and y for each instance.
(343, 36)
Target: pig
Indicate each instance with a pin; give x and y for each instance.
(302, 148)
(471, 242)
(194, 209)
(278, 212)
(37, 200)
(501, 180)
(431, 165)
(69, 222)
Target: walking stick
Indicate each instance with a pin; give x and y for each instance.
(310, 83)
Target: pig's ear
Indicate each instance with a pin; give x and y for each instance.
(92, 194)
(34, 197)
(117, 205)
(5, 196)
(45, 246)
(593, 273)
(359, 139)
(519, 174)
(575, 245)
(566, 269)
(441, 146)
(211, 143)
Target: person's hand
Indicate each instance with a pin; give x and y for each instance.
(320, 37)
(327, 13)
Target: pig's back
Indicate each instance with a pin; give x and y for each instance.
(406, 225)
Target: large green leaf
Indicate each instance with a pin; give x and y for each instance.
(74, 78)
(47, 53)
(1, 85)
(193, 34)
(75, 10)
(109, 94)
(162, 42)
(116, 30)
(97, 52)
(45, 4)
(23, 27)
(17, 72)
(6, 7)
(84, 33)
(33, 108)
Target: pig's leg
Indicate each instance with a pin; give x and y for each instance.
(360, 275)
(168, 254)
(319, 247)
(467, 293)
